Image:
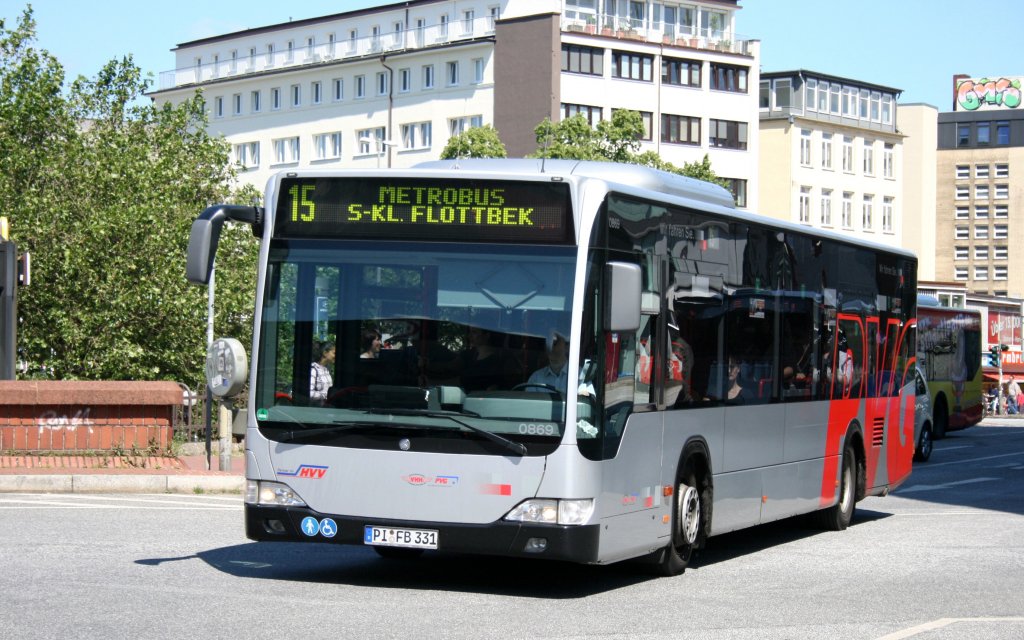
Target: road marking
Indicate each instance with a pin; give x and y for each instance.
(965, 446)
(86, 501)
(935, 487)
(939, 624)
(1002, 455)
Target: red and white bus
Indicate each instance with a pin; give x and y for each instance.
(722, 369)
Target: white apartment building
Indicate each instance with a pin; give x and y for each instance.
(831, 155)
(388, 86)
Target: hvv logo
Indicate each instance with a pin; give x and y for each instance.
(309, 471)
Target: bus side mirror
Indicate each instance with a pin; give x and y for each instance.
(622, 304)
(205, 234)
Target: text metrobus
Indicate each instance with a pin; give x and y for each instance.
(568, 360)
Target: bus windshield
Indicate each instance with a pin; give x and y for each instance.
(358, 337)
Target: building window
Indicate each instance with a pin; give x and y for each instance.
(805, 147)
(459, 125)
(887, 214)
(847, 154)
(286, 150)
(590, 113)
(981, 211)
(826, 151)
(585, 60)
(275, 98)
(981, 273)
(963, 135)
(727, 77)
(866, 213)
(428, 76)
(236, 104)
(1002, 133)
(247, 154)
(810, 90)
(887, 102)
(783, 93)
(869, 158)
(327, 146)
(1000, 231)
(338, 89)
(360, 87)
(961, 232)
(680, 129)
(981, 171)
(727, 134)
(452, 73)
(370, 140)
(980, 252)
(404, 80)
(648, 120)
(981, 192)
(632, 66)
(382, 83)
(963, 192)
(826, 207)
(289, 56)
(804, 206)
(981, 232)
(684, 73)
(962, 213)
(823, 97)
(876, 111)
(317, 91)
(963, 171)
(1002, 191)
(1002, 171)
(218, 107)
(416, 135)
(443, 22)
(847, 214)
(1002, 211)
(849, 102)
(959, 253)
(982, 133)
(296, 95)
(467, 22)
(478, 70)
(865, 97)
(738, 188)
(888, 161)
(1000, 252)
(959, 273)
(256, 101)
(999, 272)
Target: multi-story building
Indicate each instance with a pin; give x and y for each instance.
(831, 155)
(980, 187)
(389, 85)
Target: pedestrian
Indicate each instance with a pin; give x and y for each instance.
(1012, 393)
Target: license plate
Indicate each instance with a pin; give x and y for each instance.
(390, 537)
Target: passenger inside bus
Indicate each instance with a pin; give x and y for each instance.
(320, 379)
(485, 366)
(370, 345)
(736, 392)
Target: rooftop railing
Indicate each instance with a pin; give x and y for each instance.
(672, 34)
(372, 45)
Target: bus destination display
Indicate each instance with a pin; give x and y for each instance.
(404, 208)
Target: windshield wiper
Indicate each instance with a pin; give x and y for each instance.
(319, 431)
(515, 447)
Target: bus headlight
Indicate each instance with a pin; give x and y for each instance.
(271, 493)
(548, 511)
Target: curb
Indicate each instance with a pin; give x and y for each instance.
(103, 483)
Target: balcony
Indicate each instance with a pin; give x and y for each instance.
(674, 35)
(367, 46)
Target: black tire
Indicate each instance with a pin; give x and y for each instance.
(923, 449)
(691, 512)
(398, 553)
(838, 516)
(940, 416)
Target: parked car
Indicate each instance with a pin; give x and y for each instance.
(922, 418)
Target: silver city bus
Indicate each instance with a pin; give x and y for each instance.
(570, 360)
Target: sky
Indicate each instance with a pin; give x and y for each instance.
(913, 45)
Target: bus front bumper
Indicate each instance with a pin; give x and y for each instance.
(501, 538)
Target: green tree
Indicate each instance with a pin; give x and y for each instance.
(102, 192)
(477, 142)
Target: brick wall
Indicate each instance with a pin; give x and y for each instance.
(86, 416)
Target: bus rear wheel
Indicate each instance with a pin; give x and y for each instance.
(838, 516)
(691, 508)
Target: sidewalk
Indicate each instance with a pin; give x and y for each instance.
(119, 474)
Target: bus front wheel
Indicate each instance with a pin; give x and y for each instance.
(690, 512)
(838, 516)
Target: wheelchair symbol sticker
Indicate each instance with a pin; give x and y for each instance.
(328, 528)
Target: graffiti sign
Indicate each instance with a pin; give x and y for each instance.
(988, 93)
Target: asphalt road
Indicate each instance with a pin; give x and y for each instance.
(941, 558)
